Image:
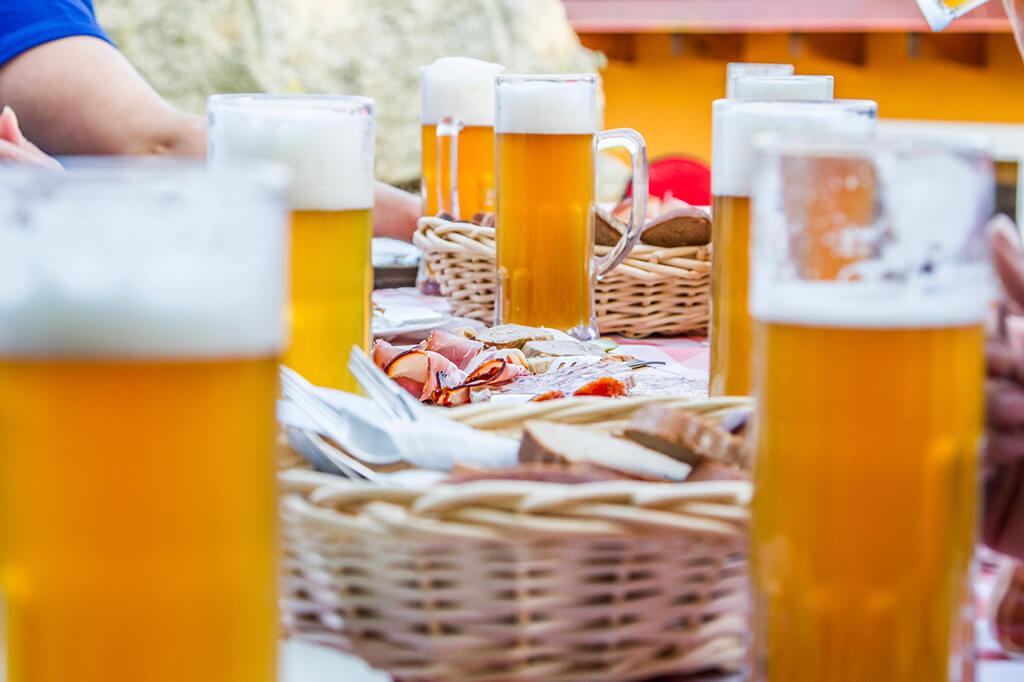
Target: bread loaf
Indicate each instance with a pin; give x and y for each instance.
(687, 226)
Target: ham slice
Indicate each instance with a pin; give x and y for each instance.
(384, 353)
(431, 372)
(458, 349)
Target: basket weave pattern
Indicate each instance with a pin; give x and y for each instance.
(521, 581)
(656, 291)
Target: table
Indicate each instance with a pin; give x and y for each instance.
(302, 662)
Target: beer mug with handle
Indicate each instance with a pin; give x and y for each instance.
(457, 115)
(545, 143)
(869, 298)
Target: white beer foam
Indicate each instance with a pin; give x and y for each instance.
(808, 88)
(734, 69)
(329, 150)
(458, 86)
(546, 107)
(161, 268)
(856, 305)
(735, 124)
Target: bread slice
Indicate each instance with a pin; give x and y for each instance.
(685, 436)
(575, 445)
(608, 229)
(513, 336)
(560, 348)
(686, 226)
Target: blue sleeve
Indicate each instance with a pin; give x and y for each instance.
(24, 24)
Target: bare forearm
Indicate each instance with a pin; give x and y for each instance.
(395, 212)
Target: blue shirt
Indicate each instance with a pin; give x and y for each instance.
(25, 24)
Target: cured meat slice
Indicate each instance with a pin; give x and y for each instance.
(458, 349)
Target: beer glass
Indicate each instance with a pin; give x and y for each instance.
(735, 124)
(545, 141)
(327, 141)
(457, 112)
(141, 325)
(869, 288)
(807, 88)
(940, 13)
(736, 69)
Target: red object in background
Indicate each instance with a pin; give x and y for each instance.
(687, 179)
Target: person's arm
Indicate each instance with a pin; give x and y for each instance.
(394, 213)
(79, 95)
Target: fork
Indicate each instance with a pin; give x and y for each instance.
(382, 389)
(337, 424)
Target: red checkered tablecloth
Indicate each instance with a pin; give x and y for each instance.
(692, 353)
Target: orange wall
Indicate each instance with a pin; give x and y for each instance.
(667, 96)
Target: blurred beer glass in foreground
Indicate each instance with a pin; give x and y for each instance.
(807, 88)
(328, 143)
(736, 69)
(457, 113)
(141, 325)
(545, 141)
(870, 285)
(735, 124)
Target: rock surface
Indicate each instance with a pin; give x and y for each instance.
(189, 49)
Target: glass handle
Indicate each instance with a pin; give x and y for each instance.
(633, 142)
(448, 128)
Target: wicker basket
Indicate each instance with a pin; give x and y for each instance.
(514, 580)
(656, 291)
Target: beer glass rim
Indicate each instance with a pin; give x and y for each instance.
(267, 175)
(515, 78)
(278, 101)
(798, 77)
(867, 146)
(857, 106)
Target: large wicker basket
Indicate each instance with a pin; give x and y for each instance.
(514, 580)
(656, 291)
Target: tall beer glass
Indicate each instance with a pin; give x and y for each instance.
(735, 124)
(141, 325)
(736, 69)
(328, 143)
(870, 285)
(457, 113)
(546, 136)
(807, 88)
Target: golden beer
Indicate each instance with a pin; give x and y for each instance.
(545, 230)
(730, 279)
(866, 495)
(736, 124)
(869, 376)
(546, 136)
(475, 166)
(138, 386)
(137, 517)
(331, 275)
(457, 98)
(327, 142)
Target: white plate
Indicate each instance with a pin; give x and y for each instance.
(301, 662)
(406, 319)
